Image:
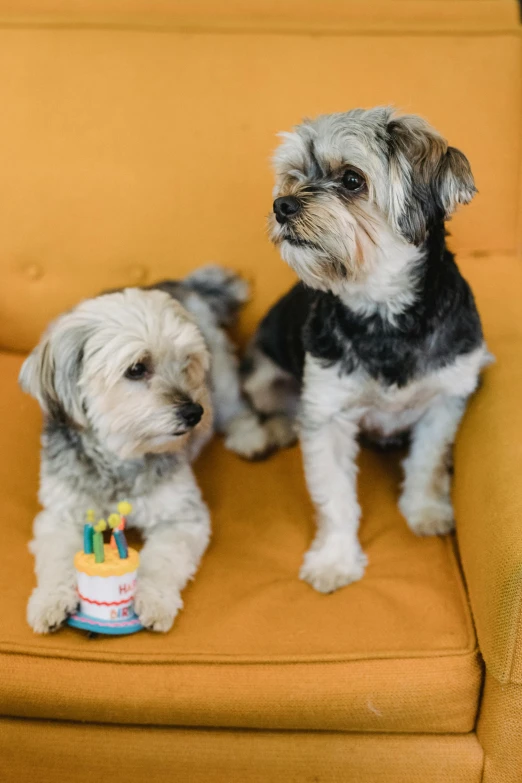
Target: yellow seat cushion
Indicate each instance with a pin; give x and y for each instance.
(254, 647)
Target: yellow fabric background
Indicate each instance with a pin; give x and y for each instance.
(289, 16)
(152, 151)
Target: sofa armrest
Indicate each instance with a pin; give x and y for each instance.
(488, 501)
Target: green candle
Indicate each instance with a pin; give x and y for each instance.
(97, 541)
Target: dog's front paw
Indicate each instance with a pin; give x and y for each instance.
(333, 565)
(48, 609)
(248, 438)
(429, 516)
(156, 608)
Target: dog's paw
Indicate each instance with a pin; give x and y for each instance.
(282, 431)
(428, 517)
(333, 565)
(248, 438)
(48, 609)
(156, 609)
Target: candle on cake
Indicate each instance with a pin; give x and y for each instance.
(97, 541)
(88, 532)
(106, 578)
(118, 540)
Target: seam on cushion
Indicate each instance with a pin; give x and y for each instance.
(235, 729)
(516, 632)
(483, 774)
(204, 659)
(480, 705)
(257, 27)
(518, 227)
(238, 729)
(451, 543)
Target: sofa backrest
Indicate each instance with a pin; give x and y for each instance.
(136, 144)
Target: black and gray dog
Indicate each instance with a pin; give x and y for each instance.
(381, 338)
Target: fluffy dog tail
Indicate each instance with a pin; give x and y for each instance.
(224, 291)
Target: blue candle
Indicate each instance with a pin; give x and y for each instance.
(88, 532)
(121, 543)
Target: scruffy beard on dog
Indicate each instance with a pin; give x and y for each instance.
(381, 340)
(127, 383)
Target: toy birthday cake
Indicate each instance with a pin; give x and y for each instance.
(106, 578)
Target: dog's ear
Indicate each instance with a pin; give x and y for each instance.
(455, 180)
(428, 179)
(51, 373)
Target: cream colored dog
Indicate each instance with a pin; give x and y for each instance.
(127, 382)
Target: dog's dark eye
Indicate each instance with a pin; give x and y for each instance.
(352, 180)
(137, 371)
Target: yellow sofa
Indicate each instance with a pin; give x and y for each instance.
(135, 139)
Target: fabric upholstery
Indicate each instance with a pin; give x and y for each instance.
(500, 731)
(488, 496)
(152, 151)
(134, 145)
(254, 646)
(260, 15)
(88, 752)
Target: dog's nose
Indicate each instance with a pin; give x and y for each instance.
(285, 207)
(190, 413)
